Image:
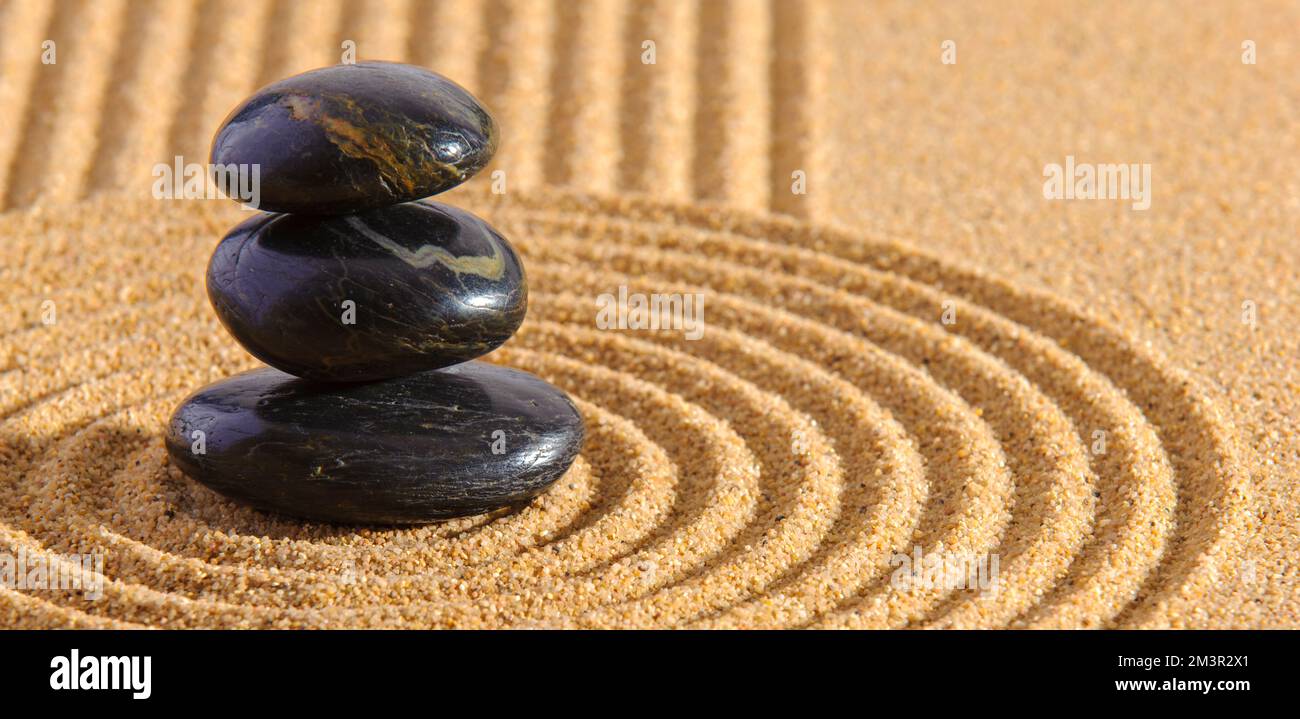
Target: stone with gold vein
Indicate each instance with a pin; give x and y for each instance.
(368, 296)
(349, 138)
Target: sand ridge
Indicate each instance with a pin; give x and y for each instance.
(835, 419)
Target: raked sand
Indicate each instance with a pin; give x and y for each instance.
(921, 351)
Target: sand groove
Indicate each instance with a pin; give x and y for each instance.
(1096, 401)
(26, 27)
(731, 103)
(61, 111)
(732, 114)
(766, 474)
(514, 75)
(144, 93)
(583, 143)
(1052, 458)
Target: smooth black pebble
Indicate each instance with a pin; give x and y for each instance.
(381, 294)
(458, 441)
(355, 137)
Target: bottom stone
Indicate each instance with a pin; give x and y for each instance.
(456, 441)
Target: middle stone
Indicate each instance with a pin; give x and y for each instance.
(381, 294)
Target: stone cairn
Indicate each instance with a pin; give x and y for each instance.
(371, 305)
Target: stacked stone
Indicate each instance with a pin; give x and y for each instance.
(370, 304)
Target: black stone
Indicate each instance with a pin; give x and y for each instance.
(404, 451)
(429, 285)
(356, 137)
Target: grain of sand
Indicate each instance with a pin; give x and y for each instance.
(829, 418)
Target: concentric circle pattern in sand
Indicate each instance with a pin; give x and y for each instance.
(850, 400)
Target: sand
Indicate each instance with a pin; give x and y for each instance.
(920, 351)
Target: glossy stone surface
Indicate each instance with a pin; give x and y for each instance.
(458, 441)
(425, 285)
(357, 137)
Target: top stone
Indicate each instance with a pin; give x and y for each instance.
(349, 138)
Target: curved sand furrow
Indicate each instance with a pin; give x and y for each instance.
(61, 483)
(1049, 466)
(820, 355)
(837, 351)
(1137, 457)
(1139, 554)
(57, 483)
(884, 488)
(477, 560)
